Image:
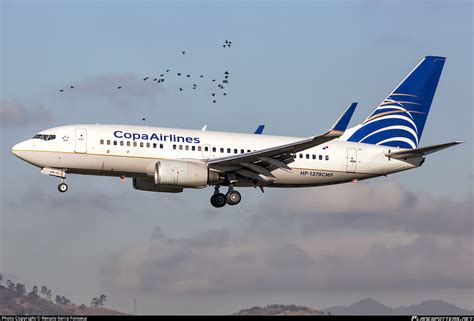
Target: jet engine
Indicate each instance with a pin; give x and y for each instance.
(184, 174)
(147, 184)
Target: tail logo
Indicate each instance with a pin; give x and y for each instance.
(392, 123)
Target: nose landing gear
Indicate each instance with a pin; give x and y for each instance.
(62, 187)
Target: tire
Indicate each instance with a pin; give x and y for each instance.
(233, 198)
(62, 187)
(218, 200)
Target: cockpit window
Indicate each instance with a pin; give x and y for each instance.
(44, 137)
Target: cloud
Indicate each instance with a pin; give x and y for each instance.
(106, 87)
(384, 206)
(342, 256)
(14, 113)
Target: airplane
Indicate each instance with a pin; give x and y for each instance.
(169, 160)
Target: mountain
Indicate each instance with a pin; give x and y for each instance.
(14, 303)
(280, 309)
(362, 307)
(372, 307)
(434, 307)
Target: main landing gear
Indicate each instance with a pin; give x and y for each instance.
(220, 200)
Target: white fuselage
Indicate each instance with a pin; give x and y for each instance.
(132, 151)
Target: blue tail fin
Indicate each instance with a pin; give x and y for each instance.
(399, 120)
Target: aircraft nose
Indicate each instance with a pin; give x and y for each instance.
(18, 148)
(15, 149)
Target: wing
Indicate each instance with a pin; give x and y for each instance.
(259, 164)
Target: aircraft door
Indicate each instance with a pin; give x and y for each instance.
(81, 141)
(206, 151)
(351, 160)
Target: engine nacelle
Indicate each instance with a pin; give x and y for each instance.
(184, 174)
(144, 184)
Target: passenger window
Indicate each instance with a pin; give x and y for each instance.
(214, 149)
(235, 151)
(108, 141)
(199, 148)
(307, 156)
(180, 147)
(134, 144)
(115, 142)
(147, 145)
(206, 149)
(128, 143)
(174, 146)
(155, 145)
(327, 157)
(193, 148)
(187, 147)
(141, 144)
(102, 142)
(242, 151)
(228, 150)
(248, 150)
(161, 146)
(314, 156)
(320, 157)
(121, 143)
(301, 155)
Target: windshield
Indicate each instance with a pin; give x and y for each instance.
(44, 137)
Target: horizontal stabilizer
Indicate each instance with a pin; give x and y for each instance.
(417, 152)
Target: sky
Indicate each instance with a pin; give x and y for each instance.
(294, 66)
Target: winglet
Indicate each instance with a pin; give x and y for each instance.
(259, 130)
(343, 121)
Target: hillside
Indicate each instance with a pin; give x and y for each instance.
(372, 307)
(280, 309)
(15, 303)
(362, 307)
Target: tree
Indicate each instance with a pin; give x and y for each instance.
(95, 302)
(57, 299)
(49, 295)
(44, 290)
(20, 288)
(10, 285)
(102, 299)
(34, 292)
(1, 278)
(65, 300)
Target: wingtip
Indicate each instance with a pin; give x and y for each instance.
(343, 121)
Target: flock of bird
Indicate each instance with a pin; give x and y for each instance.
(162, 78)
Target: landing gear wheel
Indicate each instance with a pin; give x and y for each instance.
(62, 187)
(218, 200)
(233, 198)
